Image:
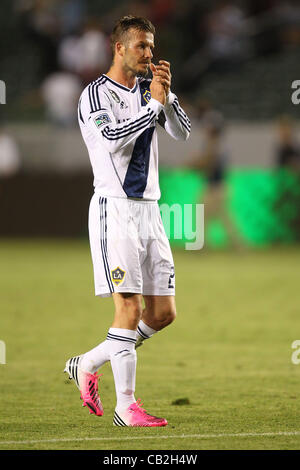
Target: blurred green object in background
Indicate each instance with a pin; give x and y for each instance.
(262, 204)
(216, 235)
(180, 187)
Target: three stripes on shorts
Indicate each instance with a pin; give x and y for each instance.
(103, 240)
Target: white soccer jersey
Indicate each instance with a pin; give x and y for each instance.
(118, 125)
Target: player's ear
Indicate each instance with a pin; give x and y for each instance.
(120, 48)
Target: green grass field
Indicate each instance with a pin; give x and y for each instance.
(226, 359)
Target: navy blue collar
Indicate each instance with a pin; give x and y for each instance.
(131, 90)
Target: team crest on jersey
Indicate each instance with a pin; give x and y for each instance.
(147, 96)
(114, 95)
(102, 119)
(117, 276)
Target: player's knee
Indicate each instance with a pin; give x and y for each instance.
(171, 315)
(167, 316)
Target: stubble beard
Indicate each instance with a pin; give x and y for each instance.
(142, 73)
(134, 72)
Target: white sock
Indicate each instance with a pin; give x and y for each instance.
(144, 331)
(94, 359)
(123, 364)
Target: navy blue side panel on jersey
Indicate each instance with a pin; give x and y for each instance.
(145, 92)
(135, 181)
(161, 119)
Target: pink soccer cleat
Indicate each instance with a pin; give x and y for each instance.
(87, 384)
(135, 415)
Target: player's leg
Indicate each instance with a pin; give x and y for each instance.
(159, 312)
(109, 257)
(121, 341)
(119, 349)
(158, 282)
(116, 265)
(128, 310)
(82, 368)
(122, 338)
(117, 272)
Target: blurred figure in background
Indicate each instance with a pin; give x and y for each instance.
(288, 11)
(40, 22)
(288, 158)
(288, 149)
(69, 53)
(87, 54)
(211, 162)
(60, 92)
(224, 44)
(10, 161)
(95, 52)
(72, 15)
(211, 159)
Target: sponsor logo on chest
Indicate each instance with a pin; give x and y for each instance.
(117, 99)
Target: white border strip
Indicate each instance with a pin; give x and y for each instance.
(178, 436)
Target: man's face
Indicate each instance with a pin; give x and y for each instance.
(138, 49)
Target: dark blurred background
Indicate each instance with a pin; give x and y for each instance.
(233, 65)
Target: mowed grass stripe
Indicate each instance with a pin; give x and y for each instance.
(182, 436)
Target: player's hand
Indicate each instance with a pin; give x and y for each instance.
(157, 88)
(164, 73)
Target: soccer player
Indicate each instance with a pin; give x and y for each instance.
(118, 115)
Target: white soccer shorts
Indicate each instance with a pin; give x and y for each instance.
(130, 250)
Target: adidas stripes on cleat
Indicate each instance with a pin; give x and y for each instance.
(136, 416)
(72, 369)
(87, 384)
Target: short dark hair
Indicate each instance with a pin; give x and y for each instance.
(124, 24)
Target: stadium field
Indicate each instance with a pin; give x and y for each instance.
(221, 374)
